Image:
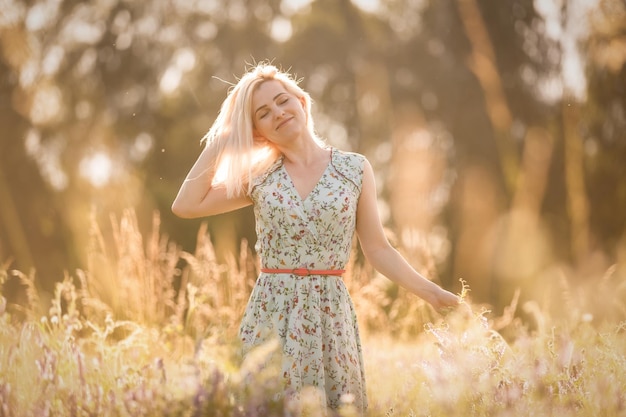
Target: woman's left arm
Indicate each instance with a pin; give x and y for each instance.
(384, 257)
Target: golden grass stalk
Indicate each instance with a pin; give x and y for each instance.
(104, 348)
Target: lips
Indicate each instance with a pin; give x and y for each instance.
(284, 122)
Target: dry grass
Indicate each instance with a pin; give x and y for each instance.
(150, 330)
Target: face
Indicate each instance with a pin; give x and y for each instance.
(278, 115)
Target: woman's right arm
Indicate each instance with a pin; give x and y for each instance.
(197, 198)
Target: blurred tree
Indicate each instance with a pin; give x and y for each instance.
(106, 98)
(32, 229)
(104, 104)
(604, 127)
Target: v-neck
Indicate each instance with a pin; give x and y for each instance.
(292, 184)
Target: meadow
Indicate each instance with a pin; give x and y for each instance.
(150, 330)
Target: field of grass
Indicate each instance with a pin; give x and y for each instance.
(149, 330)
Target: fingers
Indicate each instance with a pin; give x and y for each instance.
(461, 308)
(448, 302)
(444, 311)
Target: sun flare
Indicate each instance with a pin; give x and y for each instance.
(97, 169)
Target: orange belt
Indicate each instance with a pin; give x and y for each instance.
(303, 272)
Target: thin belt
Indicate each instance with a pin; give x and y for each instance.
(303, 272)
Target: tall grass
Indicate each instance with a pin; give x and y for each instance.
(148, 329)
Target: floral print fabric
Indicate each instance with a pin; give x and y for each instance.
(313, 316)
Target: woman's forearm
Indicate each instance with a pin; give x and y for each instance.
(390, 263)
(196, 185)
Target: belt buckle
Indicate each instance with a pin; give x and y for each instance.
(302, 272)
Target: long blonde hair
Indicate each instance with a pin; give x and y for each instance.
(238, 158)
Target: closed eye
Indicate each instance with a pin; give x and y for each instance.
(281, 99)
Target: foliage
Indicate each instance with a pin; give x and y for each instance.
(87, 356)
(464, 107)
(492, 165)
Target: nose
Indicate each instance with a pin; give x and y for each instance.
(279, 113)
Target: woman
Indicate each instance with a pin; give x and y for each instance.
(309, 199)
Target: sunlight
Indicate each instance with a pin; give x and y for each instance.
(567, 27)
(47, 156)
(80, 30)
(184, 61)
(281, 29)
(42, 15)
(142, 145)
(291, 7)
(170, 80)
(370, 6)
(53, 60)
(46, 105)
(221, 172)
(97, 169)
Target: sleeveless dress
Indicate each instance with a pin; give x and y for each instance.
(312, 316)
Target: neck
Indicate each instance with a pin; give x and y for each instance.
(303, 153)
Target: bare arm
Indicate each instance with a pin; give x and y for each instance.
(197, 198)
(386, 259)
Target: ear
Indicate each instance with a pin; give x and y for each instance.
(303, 103)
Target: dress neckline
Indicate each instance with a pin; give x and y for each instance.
(292, 184)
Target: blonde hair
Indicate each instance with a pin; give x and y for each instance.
(238, 158)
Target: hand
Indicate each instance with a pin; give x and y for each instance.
(443, 301)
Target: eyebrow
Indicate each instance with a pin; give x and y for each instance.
(265, 105)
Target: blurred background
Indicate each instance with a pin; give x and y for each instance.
(497, 128)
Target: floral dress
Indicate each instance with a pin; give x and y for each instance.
(313, 316)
